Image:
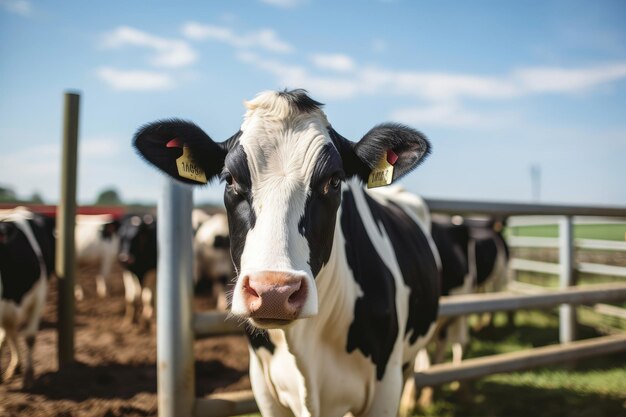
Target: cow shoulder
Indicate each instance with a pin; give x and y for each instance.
(417, 264)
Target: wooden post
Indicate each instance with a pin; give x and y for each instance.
(66, 219)
(567, 278)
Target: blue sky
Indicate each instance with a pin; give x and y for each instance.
(496, 86)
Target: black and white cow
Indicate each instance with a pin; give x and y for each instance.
(97, 242)
(474, 257)
(138, 257)
(213, 264)
(26, 263)
(339, 285)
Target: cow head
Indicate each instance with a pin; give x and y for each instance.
(283, 174)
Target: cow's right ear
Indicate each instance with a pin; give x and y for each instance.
(182, 150)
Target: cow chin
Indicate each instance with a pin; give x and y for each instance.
(274, 299)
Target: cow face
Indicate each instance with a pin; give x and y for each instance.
(283, 173)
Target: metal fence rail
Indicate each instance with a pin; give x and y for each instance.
(519, 361)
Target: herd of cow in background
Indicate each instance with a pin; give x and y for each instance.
(473, 255)
(27, 253)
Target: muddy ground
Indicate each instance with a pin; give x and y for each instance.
(115, 373)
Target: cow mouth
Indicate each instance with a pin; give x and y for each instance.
(270, 323)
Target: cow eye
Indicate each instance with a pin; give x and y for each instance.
(227, 178)
(231, 184)
(333, 184)
(335, 181)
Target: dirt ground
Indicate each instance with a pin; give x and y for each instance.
(115, 373)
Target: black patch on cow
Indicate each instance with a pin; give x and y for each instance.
(451, 241)
(19, 264)
(405, 367)
(320, 211)
(138, 245)
(108, 230)
(221, 242)
(486, 255)
(300, 100)
(259, 338)
(238, 201)
(417, 264)
(375, 326)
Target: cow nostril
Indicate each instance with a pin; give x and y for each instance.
(299, 295)
(248, 289)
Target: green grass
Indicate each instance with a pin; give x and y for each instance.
(592, 387)
(583, 231)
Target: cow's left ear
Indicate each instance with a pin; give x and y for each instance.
(402, 147)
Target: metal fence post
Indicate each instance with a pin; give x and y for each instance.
(175, 360)
(65, 267)
(567, 278)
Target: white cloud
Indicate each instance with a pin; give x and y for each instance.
(264, 38)
(135, 80)
(285, 4)
(567, 80)
(294, 76)
(334, 62)
(171, 53)
(454, 115)
(21, 7)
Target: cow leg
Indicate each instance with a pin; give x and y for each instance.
(148, 298)
(3, 339)
(132, 292)
(29, 373)
(79, 294)
(34, 312)
(108, 258)
(14, 352)
(101, 286)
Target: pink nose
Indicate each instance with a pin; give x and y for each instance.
(274, 295)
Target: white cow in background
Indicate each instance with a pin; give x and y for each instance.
(212, 256)
(97, 242)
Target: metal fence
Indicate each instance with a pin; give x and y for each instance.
(177, 325)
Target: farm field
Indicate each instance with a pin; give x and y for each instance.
(582, 231)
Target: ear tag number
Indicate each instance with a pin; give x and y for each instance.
(382, 174)
(188, 169)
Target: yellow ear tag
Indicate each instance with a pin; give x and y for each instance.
(382, 174)
(187, 169)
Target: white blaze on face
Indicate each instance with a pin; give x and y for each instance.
(282, 146)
